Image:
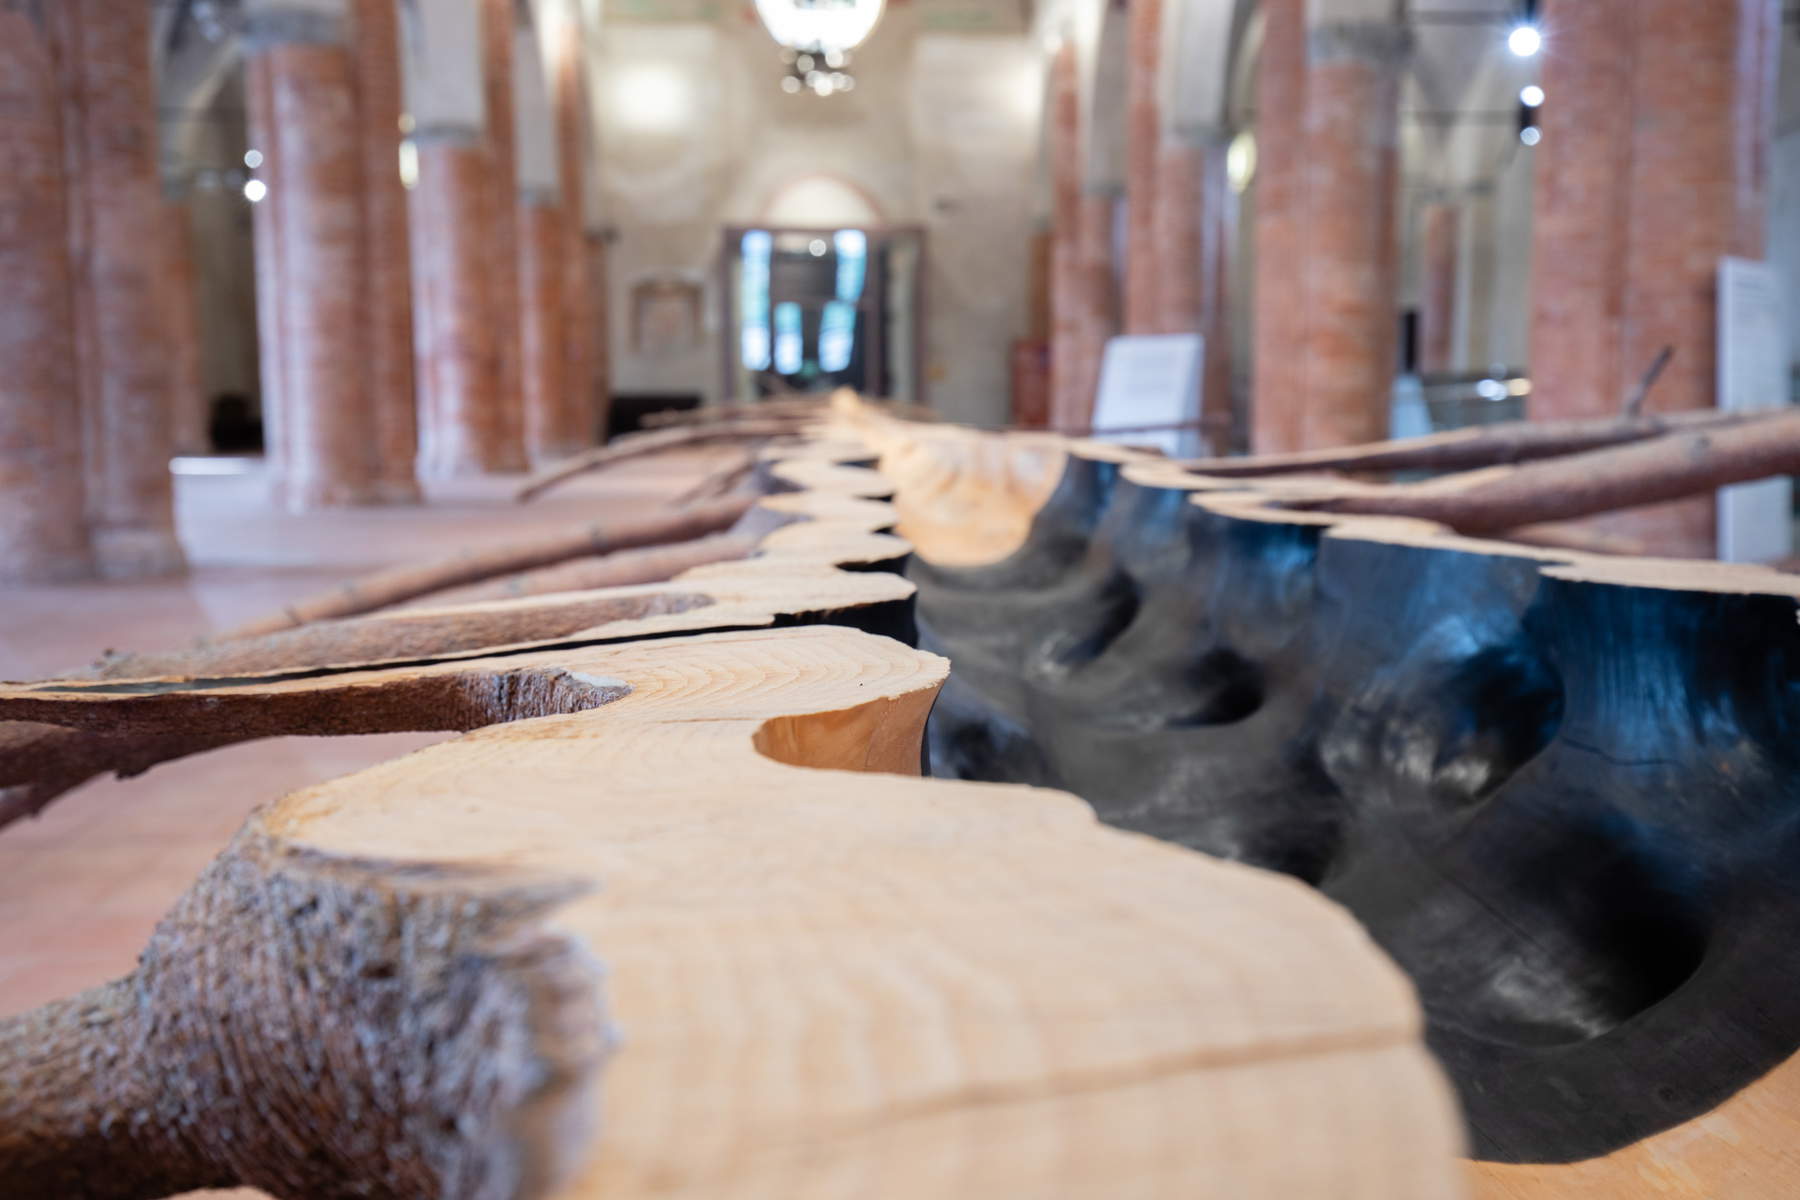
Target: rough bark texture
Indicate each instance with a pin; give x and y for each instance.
(43, 493)
(315, 1027)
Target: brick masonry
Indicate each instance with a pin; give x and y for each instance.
(43, 525)
(1654, 163)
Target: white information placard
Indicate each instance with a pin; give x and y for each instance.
(1756, 520)
(1151, 380)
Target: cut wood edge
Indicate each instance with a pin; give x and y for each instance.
(824, 981)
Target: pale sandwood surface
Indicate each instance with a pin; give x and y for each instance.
(833, 984)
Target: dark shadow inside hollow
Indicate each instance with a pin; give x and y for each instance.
(1569, 811)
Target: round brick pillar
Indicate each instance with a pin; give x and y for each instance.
(1068, 396)
(497, 23)
(599, 279)
(310, 263)
(1193, 227)
(1279, 382)
(43, 524)
(1439, 229)
(580, 335)
(1095, 302)
(1144, 250)
(117, 221)
(1350, 182)
(542, 240)
(1654, 164)
(387, 262)
(461, 429)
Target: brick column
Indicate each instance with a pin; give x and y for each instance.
(542, 241)
(1654, 164)
(119, 258)
(181, 312)
(1351, 190)
(599, 280)
(579, 336)
(1144, 250)
(1193, 228)
(310, 259)
(387, 261)
(1279, 386)
(43, 525)
(1069, 397)
(1440, 224)
(1096, 300)
(549, 432)
(497, 49)
(461, 429)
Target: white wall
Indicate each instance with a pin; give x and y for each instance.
(941, 131)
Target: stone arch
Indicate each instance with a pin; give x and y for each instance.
(1198, 39)
(822, 199)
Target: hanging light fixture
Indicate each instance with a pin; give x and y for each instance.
(816, 37)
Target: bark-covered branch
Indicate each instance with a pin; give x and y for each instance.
(1481, 445)
(1580, 485)
(397, 584)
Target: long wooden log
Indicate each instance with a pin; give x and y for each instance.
(623, 568)
(646, 445)
(829, 982)
(1578, 485)
(1477, 446)
(397, 584)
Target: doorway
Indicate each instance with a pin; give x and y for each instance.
(810, 310)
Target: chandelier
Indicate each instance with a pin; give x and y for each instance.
(816, 37)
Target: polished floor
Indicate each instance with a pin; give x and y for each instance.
(82, 885)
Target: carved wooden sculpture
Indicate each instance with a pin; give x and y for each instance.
(653, 929)
(1558, 789)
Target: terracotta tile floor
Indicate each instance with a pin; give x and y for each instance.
(82, 885)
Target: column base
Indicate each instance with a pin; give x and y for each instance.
(137, 553)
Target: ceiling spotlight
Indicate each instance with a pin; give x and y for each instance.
(1530, 135)
(790, 84)
(253, 159)
(816, 247)
(255, 190)
(1524, 40)
(1531, 95)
